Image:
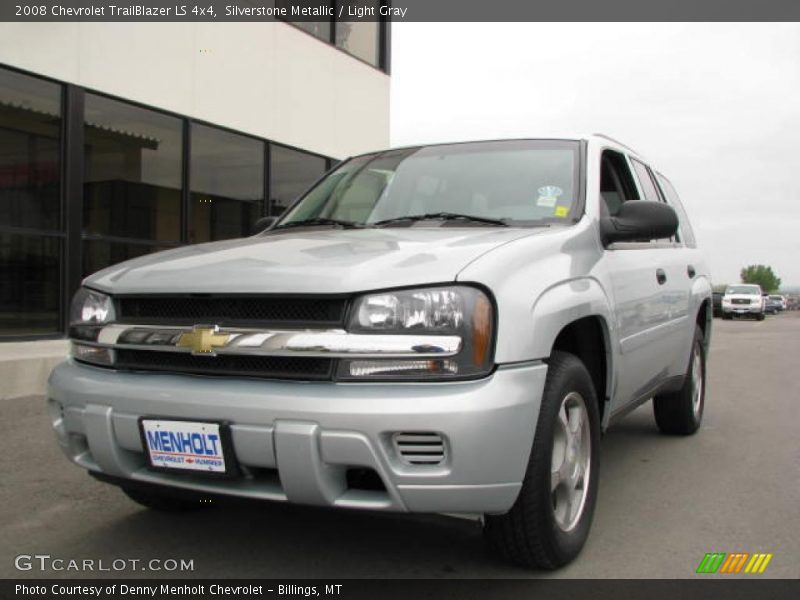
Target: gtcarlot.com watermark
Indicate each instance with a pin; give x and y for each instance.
(46, 562)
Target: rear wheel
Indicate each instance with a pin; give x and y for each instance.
(681, 412)
(160, 501)
(550, 520)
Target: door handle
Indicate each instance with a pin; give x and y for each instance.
(690, 271)
(661, 277)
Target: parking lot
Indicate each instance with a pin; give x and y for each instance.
(664, 502)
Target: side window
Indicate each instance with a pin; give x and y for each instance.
(687, 235)
(616, 183)
(646, 181)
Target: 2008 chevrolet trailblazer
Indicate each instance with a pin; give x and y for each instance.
(445, 328)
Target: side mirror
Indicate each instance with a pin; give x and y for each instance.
(639, 220)
(262, 224)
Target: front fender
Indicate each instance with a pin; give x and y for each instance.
(565, 303)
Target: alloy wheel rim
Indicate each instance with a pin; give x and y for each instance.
(571, 461)
(697, 382)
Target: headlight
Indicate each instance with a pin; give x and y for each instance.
(89, 311)
(91, 308)
(454, 310)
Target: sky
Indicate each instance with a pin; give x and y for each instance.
(715, 107)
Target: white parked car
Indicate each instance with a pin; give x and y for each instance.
(743, 300)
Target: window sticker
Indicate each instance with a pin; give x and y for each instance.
(548, 196)
(562, 211)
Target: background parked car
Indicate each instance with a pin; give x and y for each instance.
(772, 305)
(780, 300)
(745, 299)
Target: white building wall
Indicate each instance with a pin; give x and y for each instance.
(267, 79)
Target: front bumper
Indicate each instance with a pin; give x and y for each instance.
(296, 441)
(742, 309)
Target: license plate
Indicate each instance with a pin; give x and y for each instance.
(184, 445)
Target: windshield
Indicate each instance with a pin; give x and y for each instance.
(744, 289)
(778, 298)
(527, 182)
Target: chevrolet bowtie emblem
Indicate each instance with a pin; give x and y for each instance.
(203, 339)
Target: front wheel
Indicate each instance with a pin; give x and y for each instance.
(550, 520)
(681, 412)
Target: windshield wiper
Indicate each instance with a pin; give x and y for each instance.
(442, 216)
(321, 221)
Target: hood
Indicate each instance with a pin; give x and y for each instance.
(309, 261)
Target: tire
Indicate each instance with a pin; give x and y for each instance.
(547, 526)
(760, 316)
(162, 502)
(681, 412)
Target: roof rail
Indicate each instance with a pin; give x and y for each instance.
(609, 138)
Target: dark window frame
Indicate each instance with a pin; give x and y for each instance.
(62, 233)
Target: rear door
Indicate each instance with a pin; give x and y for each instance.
(691, 258)
(676, 263)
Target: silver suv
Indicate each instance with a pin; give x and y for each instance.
(442, 328)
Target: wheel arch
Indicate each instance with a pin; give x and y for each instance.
(587, 338)
(575, 317)
(704, 317)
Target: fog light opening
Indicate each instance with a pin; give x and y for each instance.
(363, 478)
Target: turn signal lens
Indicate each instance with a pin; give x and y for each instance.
(481, 330)
(92, 354)
(363, 368)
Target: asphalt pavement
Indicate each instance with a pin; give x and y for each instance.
(663, 502)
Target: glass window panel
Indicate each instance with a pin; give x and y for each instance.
(30, 131)
(361, 38)
(648, 187)
(687, 234)
(319, 29)
(30, 284)
(99, 254)
(292, 173)
(227, 173)
(132, 175)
